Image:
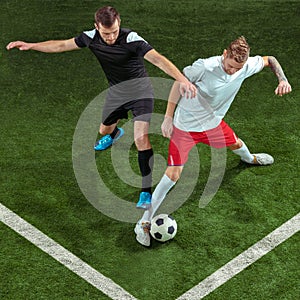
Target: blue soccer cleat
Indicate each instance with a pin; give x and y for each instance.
(144, 201)
(106, 141)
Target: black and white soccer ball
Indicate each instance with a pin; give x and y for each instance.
(163, 227)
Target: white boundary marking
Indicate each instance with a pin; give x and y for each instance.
(114, 291)
(62, 255)
(243, 260)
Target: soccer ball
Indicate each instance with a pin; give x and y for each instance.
(163, 227)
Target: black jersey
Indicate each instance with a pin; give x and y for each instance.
(121, 61)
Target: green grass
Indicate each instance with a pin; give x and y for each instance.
(42, 98)
(36, 275)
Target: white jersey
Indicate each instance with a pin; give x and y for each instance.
(215, 92)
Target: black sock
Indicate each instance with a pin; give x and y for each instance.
(114, 133)
(146, 161)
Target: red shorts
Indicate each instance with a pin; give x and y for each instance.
(182, 142)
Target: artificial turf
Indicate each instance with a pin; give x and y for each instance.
(42, 98)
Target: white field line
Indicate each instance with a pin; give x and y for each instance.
(69, 260)
(114, 291)
(242, 261)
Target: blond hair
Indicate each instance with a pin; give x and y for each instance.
(239, 50)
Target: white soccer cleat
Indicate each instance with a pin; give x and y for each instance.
(142, 231)
(262, 159)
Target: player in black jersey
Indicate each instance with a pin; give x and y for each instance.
(121, 53)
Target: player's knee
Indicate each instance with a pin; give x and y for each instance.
(174, 173)
(174, 176)
(142, 143)
(237, 145)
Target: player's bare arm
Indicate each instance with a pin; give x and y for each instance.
(174, 96)
(54, 46)
(283, 87)
(169, 68)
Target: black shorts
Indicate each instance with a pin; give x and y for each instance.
(141, 110)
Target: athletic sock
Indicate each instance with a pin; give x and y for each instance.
(159, 194)
(244, 153)
(146, 161)
(114, 133)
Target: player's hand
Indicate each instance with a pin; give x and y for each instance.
(283, 88)
(187, 89)
(18, 44)
(167, 127)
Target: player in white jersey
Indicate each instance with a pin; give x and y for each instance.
(200, 119)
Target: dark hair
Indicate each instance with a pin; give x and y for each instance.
(106, 16)
(239, 50)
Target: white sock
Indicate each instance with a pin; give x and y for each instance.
(158, 196)
(244, 153)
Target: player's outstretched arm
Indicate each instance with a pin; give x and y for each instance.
(283, 86)
(54, 46)
(169, 68)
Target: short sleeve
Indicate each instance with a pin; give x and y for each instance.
(137, 44)
(195, 72)
(254, 65)
(85, 38)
